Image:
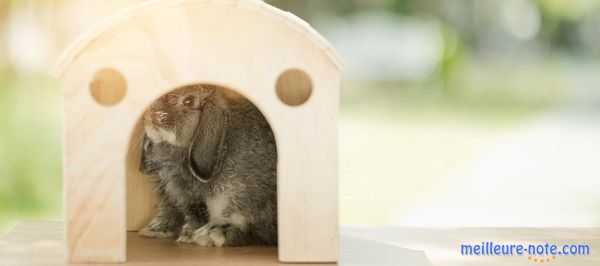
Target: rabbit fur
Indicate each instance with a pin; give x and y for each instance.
(213, 159)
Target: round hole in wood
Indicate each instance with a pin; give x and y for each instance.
(293, 87)
(108, 86)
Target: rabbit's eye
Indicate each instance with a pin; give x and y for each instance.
(189, 101)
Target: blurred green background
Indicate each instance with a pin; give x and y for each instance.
(454, 112)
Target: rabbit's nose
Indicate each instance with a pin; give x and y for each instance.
(159, 117)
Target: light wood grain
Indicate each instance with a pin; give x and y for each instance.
(242, 45)
(42, 243)
(85, 39)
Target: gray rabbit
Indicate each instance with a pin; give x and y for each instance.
(214, 162)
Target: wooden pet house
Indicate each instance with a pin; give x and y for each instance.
(112, 73)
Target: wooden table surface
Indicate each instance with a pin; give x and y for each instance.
(41, 243)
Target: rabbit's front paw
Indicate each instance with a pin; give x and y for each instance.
(185, 236)
(156, 228)
(209, 236)
(201, 237)
(184, 239)
(151, 232)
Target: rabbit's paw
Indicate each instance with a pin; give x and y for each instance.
(151, 232)
(184, 239)
(218, 237)
(156, 228)
(185, 236)
(209, 236)
(201, 237)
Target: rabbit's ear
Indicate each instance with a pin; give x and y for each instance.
(206, 145)
(146, 146)
(206, 92)
(203, 92)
